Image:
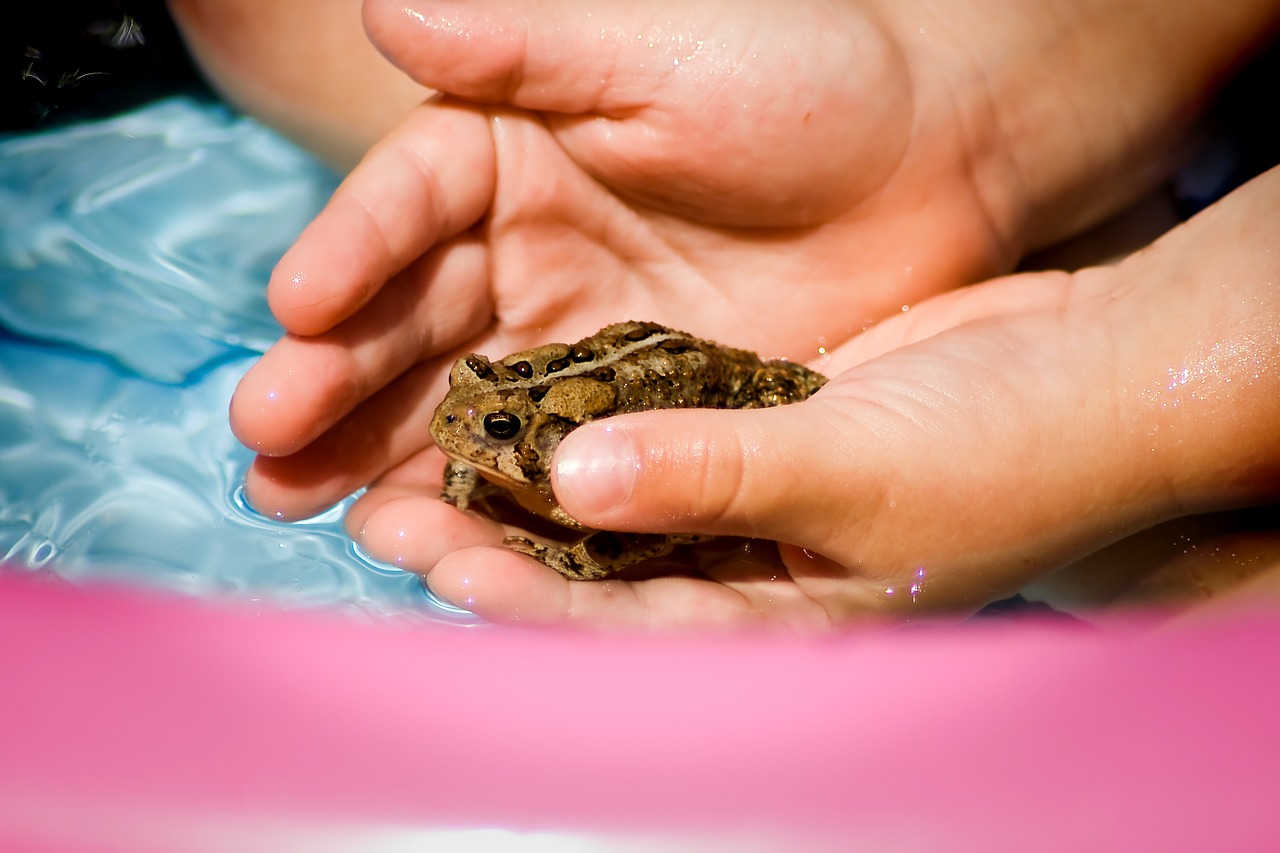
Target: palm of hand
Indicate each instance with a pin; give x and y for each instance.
(692, 195)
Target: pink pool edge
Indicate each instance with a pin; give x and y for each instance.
(136, 721)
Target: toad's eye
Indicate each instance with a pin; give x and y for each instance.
(503, 426)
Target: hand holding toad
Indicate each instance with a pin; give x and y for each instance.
(983, 440)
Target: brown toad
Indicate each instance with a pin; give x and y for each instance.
(502, 421)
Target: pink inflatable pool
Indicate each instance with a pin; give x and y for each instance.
(134, 722)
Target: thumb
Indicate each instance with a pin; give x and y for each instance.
(721, 472)
(680, 103)
(547, 57)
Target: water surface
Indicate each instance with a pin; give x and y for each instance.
(134, 254)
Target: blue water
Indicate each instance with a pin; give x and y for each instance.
(134, 254)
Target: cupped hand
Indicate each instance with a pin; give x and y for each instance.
(984, 439)
(773, 177)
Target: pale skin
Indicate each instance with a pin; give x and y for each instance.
(987, 436)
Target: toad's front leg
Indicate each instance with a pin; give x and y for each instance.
(462, 484)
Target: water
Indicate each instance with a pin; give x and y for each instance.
(134, 254)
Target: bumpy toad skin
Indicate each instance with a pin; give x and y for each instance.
(501, 421)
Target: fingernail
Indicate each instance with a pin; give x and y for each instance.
(596, 469)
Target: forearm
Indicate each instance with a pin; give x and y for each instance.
(304, 68)
(1076, 108)
(1203, 393)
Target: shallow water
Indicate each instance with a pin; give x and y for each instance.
(134, 254)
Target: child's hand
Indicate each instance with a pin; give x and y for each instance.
(985, 439)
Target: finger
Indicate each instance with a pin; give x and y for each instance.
(462, 558)
(382, 432)
(459, 555)
(553, 58)
(414, 530)
(303, 386)
(705, 471)
(418, 476)
(429, 180)
(504, 587)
